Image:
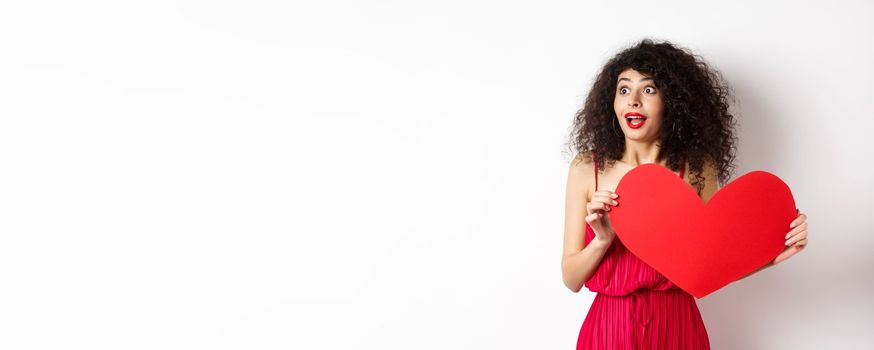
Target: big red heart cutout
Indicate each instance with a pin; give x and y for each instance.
(698, 247)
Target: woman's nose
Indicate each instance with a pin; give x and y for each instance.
(633, 100)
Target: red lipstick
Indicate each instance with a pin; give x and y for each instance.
(635, 120)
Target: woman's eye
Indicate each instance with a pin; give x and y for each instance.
(648, 89)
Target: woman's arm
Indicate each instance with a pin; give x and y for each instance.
(579, 261)
(578, 267)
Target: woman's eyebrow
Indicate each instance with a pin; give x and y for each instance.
(626, 79)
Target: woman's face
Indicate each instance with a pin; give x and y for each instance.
(637, 94)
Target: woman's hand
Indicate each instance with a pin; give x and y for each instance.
(597, 217)
(796, 239)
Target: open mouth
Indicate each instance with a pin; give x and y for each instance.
(635, 121)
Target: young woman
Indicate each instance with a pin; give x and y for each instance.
(651, 103)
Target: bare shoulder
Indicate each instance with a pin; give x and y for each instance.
(581, 174)
(583, 160)
(711, 182)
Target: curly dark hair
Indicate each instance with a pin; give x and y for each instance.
(697, 124)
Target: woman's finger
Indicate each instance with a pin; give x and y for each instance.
(606, 199)
(800, 243)
(607, 193)
(596, 205)
(591, 218)
(801, 234)
(593, 207)
(799, 240)
(796, 230)
(801, 218)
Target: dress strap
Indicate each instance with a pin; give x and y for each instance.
(682, 168)
(594, 158)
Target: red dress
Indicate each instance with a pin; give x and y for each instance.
(636, 306)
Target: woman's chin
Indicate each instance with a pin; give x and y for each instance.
(640, 136)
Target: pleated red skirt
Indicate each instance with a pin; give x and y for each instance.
(637, 307)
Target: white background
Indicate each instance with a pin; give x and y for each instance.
(387, 175)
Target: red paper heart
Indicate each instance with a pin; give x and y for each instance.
(701, 248)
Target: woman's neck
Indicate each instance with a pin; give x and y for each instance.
(637, 153)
